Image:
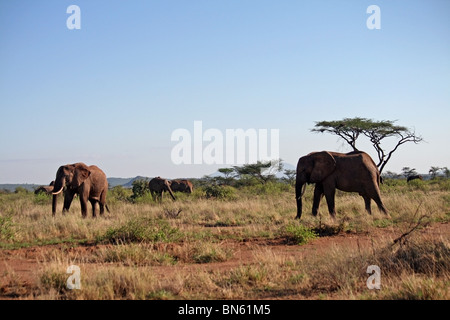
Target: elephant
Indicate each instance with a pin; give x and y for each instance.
(182, 185)
(414, 177)
(45, 189)
(350, 172)
(158, 186)
(89, 182)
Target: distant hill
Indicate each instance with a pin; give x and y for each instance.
(125, 182)
(11, 187)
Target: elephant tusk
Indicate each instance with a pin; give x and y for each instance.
(303, 190)
(58, 192)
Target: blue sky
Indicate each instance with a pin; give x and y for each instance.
(112, 93)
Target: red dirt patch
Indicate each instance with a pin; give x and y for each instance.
(20, 268)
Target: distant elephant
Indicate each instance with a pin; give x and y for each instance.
(414, 178)
(351, 172)
(158, 186)
(45, 189)
(89, 182)
(182, 186)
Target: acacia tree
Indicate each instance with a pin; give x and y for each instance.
(350, 129)
(229, 175)
(434, 171)
(407, 172)
(446, 172)
(263, 171)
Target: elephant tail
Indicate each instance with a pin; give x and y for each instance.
(107, 209)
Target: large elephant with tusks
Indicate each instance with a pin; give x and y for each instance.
(89, 182)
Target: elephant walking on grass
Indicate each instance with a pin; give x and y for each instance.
(410, 178)
(89, 182)
(182, 186)
(158, 186)
(350, 172)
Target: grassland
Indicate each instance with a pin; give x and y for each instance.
(244, 244)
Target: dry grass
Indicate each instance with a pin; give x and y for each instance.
(138, 251)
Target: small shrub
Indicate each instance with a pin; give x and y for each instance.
(205, 253)
(418, 185)
(444, 185)
(145, 198)
(198, 193)
(248, 275)
(140, 189)
(298, 233)
(119, 193)
(54, 280)
(43, 199)
(21, 190)
(418, 256)
(220, 192)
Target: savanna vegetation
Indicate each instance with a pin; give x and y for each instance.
(229, 242)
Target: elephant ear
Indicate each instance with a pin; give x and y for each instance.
(324, 165)
(82, 172)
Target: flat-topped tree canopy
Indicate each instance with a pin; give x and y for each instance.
(350, 129)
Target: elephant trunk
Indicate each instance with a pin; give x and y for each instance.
(57, 189)
(58, 186)
(54, 202)
(171, 193)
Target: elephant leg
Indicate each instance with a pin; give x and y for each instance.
(318, 195)
(379, 203)
(94, 207)
(68, 197)
(329, 196)
(102, 208)
(102, 203)
(367, 204)
(83, 203)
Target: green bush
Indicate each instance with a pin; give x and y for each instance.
(43, 199)
(393, 182)
(21, 190)
(140, 189)
(418, 185)
(198, 193)
(119, 193)
(444, 185)
(220, 192)
(145, 198)
(298, 233)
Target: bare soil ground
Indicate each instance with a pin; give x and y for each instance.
(25, 263)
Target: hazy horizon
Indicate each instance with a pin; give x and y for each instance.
(113, 92)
